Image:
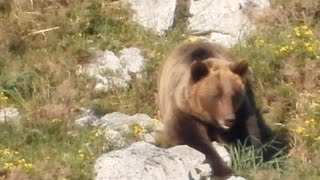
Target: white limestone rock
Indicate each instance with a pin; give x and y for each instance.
(153, 14)
(143, 161)
(8, 114)
(223, 20)
(140, 161)
(111, 71)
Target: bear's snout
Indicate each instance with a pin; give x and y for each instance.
(229, 122)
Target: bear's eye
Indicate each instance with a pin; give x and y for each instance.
(217, 96)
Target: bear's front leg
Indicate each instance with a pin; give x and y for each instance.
(254, 131)
(194, 133)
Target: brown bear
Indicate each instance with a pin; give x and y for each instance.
(204, 96)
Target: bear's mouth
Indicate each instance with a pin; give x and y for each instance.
(227, 124)
(226, 127)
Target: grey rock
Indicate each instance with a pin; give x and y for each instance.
(222, 152)
(86, 120)
(224, 22)
(121, 121)
(140, 161)
(89, 117)
(114, 120)
(149, 138)
(224, 19)
(143, 161)
(116, 125)
(96, 112)
(112, 71)
(236, 178)
(153, 14)
(131, 59)
(198, 170)
(193, 161)
(115, 137)
(9, 113)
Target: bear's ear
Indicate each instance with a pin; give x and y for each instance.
(198, 71)
(240, 67)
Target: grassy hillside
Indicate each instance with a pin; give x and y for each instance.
(43, 42)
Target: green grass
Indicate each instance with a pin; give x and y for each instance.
(247, 161)
(43, 42)
(51, 147)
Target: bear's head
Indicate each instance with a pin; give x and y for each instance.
(217, 91)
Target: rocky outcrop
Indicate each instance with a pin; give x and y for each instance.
(225, 22)
(143, 161)
(110, 70)
(154, 14)
(117, 125)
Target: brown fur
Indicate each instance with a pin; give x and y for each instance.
(202, 96)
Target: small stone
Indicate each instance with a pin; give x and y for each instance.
(115, 137)
(236, 178)
(85, 121)
(9, 113)
(148, 138)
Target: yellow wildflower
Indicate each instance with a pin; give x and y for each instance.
(309, 121)
(309, 46)
(98, 133)
(309, 33)
(156, 122)
(9, 166)
(138, 130)
(55, 120)
(301, 130)
(21, 161)
(317, 138)
(193, 38)
(6, 152)
(285, 48)
(259, 42)
(28, 165)
(81, 153)
(297, 31)
(3, 97)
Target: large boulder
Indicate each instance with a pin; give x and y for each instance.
(153, 14)
(143, 161)
(225, 22)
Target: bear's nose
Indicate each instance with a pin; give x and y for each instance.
(229, 122)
